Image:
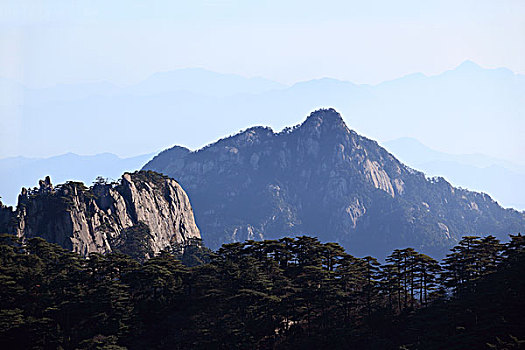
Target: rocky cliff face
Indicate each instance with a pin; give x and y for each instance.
(322, 179)
(142, 214)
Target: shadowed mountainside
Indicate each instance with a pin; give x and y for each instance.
(320, 178)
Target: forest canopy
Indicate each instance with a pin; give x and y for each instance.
(283, 294)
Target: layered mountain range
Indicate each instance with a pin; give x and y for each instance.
(469, 103)
(141, 214)
(480, 110)
(322, 179)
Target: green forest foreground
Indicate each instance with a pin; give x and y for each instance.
(291, 293)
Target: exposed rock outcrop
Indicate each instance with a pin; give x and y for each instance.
(322, 179)
(106, 216)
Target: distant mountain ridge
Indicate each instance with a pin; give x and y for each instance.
(320, 178)
(201, 81)
(415, 151)
(470, 104)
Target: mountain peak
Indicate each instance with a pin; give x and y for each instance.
(468, 65)
(325, 117)
(325, 113)
(323, 180)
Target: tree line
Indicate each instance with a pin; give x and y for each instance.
(274, 294)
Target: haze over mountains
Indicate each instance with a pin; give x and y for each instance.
(479, 110)
(466, 110)
(502, 179)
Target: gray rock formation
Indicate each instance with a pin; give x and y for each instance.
(322, 179)
(144, 211)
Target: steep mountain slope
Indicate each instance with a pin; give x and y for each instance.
(141, 215)
(501, 179)
(321, 178)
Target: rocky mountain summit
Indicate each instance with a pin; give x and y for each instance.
(322, 179)
(142, 214)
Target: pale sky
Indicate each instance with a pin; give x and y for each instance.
(46, 42)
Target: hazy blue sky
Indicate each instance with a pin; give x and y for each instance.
(64, 41)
